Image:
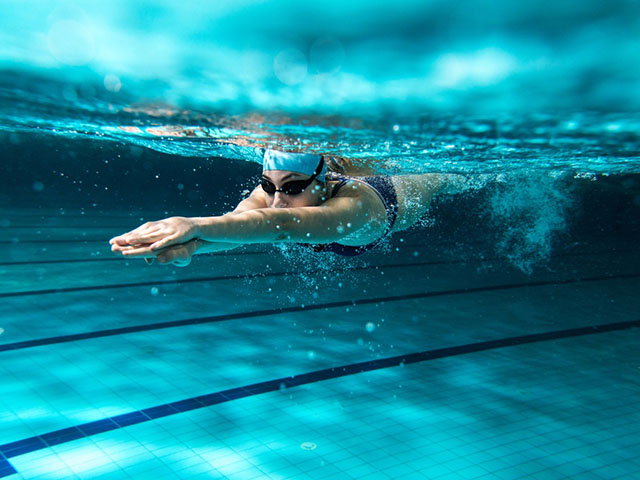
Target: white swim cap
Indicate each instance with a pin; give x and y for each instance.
(305, 163)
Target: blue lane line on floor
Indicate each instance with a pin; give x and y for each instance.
(6, 468)
(278, 311)
(57, 437)
(204, 279)
(133, 285)
(265, 252)
(31, 242)
(68, 227)
(113, 259)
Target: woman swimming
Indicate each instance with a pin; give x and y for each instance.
(296, 201)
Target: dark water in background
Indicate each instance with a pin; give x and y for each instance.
(537, 102)
(526, 217)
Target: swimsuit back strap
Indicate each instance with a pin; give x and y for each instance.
(383, 187)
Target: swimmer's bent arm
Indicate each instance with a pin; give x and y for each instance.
(329, 222)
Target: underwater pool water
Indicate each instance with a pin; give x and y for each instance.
(498, 338)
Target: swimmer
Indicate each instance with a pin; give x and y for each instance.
(298, 201)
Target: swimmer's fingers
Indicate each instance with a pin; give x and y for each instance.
(119, 240)
(179, 255)
(123, 248)
(144, 237)
(167, 241)
(137, 235)
(162, 233)
(119, 247)
(138, 251)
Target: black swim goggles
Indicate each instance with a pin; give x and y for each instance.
(294, 187)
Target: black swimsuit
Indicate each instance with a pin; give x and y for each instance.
(384, 188)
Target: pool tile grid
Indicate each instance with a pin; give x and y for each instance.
(306, 409)
(147, 386)
(137, 373)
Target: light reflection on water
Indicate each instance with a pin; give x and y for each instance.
(581, 142)
(410, 86)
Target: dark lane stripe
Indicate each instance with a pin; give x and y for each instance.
(6, 468)
(405, 246)
(117, 259)
(75, 260)
(203, 279)
(264, 252)
(55, 215)
(57, 437)
(236, 277)
(68, 227)
(29, 242)
(279, 311)
(125, 285)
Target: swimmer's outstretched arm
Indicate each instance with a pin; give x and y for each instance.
(178, 252)
(329, 222)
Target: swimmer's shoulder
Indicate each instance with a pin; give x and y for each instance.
(359, 191)
(349, 186)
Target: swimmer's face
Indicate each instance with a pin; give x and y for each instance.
(313, 195)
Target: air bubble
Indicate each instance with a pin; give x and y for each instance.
(112, 83)
(290, 66)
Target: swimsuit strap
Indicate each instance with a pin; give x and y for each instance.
(384, 189)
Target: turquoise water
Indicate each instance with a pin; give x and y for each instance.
(495, 339)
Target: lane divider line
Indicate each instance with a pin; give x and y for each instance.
(277, 311)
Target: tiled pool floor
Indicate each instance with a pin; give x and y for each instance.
(85, 340)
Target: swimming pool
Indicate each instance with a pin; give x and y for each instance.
(497, 339)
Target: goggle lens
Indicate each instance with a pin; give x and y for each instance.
(295, 187)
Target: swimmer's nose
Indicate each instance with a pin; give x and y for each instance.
(279, 200)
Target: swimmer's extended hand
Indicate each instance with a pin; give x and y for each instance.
(155, 235)
(179, 255)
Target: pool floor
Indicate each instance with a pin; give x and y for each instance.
(418, 363)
